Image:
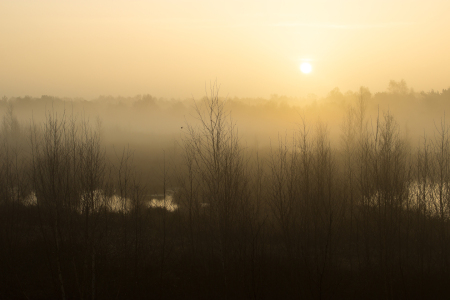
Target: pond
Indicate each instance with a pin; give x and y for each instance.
(116, 203)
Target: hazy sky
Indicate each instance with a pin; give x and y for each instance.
(172, 48)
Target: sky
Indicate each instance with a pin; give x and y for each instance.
(176, 48)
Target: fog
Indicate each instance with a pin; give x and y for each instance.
(152, 125)
(152, 128)
(222, 197)
(201, 149)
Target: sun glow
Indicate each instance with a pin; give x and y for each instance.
(306, 67)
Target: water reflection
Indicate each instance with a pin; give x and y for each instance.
(30, 200)
(434, 199)
(163, 201)
(117, 204)
(98, 200)
(429, 198)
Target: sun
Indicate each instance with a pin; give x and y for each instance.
(306, 67)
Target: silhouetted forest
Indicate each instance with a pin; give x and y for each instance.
(345, 197)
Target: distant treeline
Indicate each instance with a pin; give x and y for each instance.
(258, 118)
(329, 209)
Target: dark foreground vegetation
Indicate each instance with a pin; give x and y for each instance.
(368, 218)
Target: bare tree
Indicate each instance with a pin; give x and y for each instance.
(216, 163)
(68, 177)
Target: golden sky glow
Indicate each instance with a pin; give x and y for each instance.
(253, 48)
